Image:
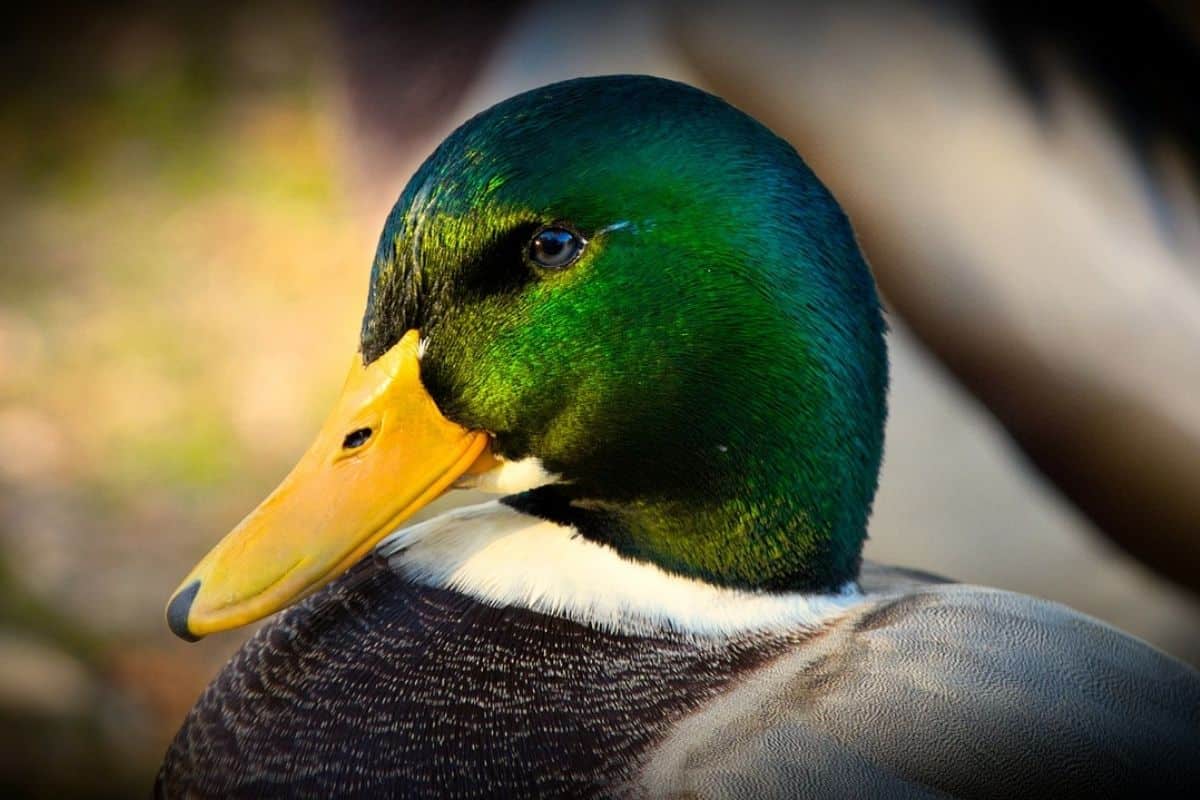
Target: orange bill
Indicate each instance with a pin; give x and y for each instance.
(384, 452)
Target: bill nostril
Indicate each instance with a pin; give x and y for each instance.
(356, 438)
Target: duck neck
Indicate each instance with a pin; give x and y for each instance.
(774, 534)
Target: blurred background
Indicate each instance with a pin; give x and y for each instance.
(190, 196)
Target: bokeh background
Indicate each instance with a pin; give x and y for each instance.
(190, 196)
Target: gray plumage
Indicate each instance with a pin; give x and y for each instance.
(930, 689)
(936, 690)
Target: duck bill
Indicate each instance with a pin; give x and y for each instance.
(384, 452)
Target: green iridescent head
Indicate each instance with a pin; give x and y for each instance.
(641, 286)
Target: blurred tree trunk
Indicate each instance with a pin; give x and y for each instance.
(405, 68)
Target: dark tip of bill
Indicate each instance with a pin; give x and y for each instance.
(177, 612)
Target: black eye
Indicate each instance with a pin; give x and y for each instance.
(554, 247)
(356, 438)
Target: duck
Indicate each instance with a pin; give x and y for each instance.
(636, 317)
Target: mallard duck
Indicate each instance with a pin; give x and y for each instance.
(634, 313)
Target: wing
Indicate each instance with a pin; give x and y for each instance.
(948, 690)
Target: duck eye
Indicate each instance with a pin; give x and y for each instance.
(554, 247)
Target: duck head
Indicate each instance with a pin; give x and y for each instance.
(625, 299)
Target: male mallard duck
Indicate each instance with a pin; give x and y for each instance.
(634, 312)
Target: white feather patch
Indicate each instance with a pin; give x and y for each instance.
(511, 477)
(503, 557)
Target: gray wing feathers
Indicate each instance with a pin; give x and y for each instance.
(947, 690)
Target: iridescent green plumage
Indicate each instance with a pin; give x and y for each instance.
(709, 378)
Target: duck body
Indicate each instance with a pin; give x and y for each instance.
(636, 314)
(386, 684)
(412, 678)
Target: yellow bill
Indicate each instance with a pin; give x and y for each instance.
(384, 452)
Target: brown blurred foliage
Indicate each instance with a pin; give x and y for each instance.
(172, 220)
